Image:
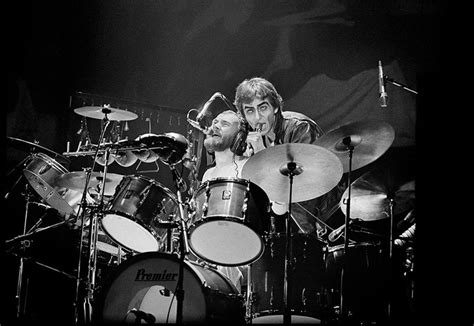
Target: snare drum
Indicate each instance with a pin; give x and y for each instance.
(229, 223)
(147, 283)
(41, 173)
(133, 215)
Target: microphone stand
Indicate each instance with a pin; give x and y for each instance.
(184, 246)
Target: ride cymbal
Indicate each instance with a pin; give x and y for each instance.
(316, 171)
(369, 139)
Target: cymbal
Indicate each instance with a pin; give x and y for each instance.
(169, 147)
(372, 193)
(317, 171)
(370, 140)
(32, 147)
(100, 112)
(77, 181)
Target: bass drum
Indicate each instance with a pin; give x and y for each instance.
(147, 283)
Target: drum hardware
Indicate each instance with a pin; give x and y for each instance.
(373, 137)
(183, 244)
(87, 298)
(229, 219)
(313, 163)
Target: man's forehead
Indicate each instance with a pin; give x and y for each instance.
(256, 101)
(228, 116)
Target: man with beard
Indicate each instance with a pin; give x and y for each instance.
(224, 142)
(226, 139)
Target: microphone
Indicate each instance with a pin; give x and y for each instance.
(141, 315)
(206, 106)
(382, 93)
(197, 126)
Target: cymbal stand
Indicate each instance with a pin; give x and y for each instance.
(290, 170)
(21, 164)
(390, 264)
(88, 298)
(348, 142)
(184, 246)
(19, 308)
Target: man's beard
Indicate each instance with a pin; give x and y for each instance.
(213, 144)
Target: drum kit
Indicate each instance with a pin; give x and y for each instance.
(153, 231)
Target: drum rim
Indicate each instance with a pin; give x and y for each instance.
(49, 160)
(352, 245)
(211, 261)
(150, 230)
(232, 180)
(157, 183)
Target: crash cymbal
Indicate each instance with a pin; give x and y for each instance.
(100, 112)
(370, 140)
(30, 147)
(77, 181)
(317, 170)
(372, 192)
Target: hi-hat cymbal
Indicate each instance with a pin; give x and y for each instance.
(372, 193)
(100, 112)
(317, 171)
(33, 147)
(370, 139)
(77, 181)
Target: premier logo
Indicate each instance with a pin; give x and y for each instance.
(142, 275)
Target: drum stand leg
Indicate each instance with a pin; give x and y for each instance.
(184, 246)
(19, 308)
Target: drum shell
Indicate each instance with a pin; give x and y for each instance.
(144, 202)
(230, 218)
(42, 172)
(226, 200)
(209, 296)
(307, 278)
(366, 278)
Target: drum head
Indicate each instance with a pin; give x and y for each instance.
(129, 234)
(147, 282)
(226, 242)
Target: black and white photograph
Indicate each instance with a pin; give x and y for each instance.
(223, 162)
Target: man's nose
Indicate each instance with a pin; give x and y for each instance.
(257, 114)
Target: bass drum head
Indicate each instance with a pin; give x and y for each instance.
(147, 282)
